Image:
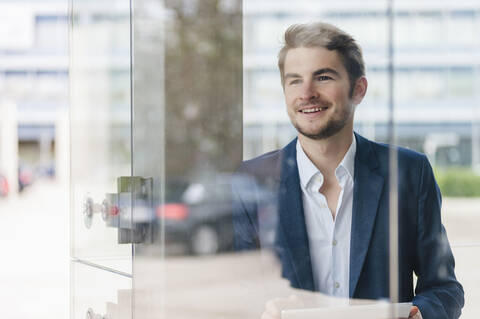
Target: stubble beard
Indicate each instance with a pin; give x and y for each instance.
(332, 127)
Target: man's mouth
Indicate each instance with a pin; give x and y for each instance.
(314, 109)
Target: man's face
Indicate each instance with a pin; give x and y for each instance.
(316, 87)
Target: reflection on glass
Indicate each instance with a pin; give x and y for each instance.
(439, 80)
(199, 256)
(279, 213)
(187, 137)
(100, 131)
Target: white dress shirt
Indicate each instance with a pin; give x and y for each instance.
(329, 239)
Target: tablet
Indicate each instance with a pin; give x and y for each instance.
(377, 311)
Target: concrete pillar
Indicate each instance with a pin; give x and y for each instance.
(9, 144)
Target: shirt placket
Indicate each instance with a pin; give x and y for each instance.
(337, 267)
(324, 218)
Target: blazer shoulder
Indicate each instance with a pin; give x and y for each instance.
(264, 165)
(405, 155)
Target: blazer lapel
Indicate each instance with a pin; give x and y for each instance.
(368, 186)
(292, 232)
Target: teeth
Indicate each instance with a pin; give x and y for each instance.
(315, 109)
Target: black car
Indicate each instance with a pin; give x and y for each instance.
(198, 215)
(3, 186)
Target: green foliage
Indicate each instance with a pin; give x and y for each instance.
(458, 182)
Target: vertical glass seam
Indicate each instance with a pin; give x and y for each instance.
(132, 190)
(393, 167)
(70, 220)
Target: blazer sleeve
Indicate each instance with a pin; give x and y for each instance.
(438, 294)
(244, 208)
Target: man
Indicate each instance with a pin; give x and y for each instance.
(329, 207)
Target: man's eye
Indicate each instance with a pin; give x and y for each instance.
(296, 81)
(323, 78)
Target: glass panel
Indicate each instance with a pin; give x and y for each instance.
(195, 259)
(425, 98)
(467, 273)
(427, 83)
(98, 293)
(100, 132)
(267, 128)
(150, 20)
(437, 114)
(188, 139)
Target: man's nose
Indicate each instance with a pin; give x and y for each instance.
(308, 92)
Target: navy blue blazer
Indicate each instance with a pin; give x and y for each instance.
(268, 213)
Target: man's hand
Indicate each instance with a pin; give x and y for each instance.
(274, 307)
(415, 313)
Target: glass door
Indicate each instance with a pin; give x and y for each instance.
(101, 157)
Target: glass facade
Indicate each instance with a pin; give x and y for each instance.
(169, 97)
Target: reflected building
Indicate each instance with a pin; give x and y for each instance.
(34, 76)
(436, 64)
(436, 77)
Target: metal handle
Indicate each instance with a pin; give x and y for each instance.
(108, 209)
(117, 209)
(89, 208)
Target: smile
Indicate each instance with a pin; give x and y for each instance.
(314, 109)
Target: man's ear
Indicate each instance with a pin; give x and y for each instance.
(360, 90)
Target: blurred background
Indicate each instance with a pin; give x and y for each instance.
(34, 158)
(437, 112)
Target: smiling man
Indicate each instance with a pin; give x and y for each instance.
(329, 208)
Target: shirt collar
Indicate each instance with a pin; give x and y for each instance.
(307, 170)
(348, 161)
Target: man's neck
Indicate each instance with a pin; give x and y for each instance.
(326, 154)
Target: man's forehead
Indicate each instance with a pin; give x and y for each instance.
(304, 59)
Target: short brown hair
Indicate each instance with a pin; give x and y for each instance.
(326, 36)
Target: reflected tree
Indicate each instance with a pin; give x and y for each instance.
(203, 87)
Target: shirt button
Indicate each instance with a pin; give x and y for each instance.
(334, 242)
(337, 285)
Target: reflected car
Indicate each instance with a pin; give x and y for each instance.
(3, 186)
(198, 216)
(25, 177)
(47, 170)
